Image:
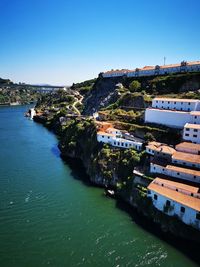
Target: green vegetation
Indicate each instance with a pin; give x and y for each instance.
(135, 86)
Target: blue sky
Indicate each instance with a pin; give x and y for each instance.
(66, 41)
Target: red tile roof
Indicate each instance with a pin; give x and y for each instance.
(184, 199)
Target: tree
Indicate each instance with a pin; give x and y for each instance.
(134, 86)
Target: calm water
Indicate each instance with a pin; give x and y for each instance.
(49, 218)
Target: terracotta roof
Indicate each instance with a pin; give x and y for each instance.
(183, 170)
(192, 126)
(186, 200)
(195, 113)
(160, 147)
(170, 66)
(175, 99)
(189, 188)
(193, 63)
(112, 129)
(148, 68)
(187, 145)
(186, 157)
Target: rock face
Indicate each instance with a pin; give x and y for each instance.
(102, 94)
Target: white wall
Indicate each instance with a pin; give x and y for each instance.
(176, 105)
(185, 163)
(188, 217)
(192, 135)
(154, 168)
(168, 118)
(119, 142)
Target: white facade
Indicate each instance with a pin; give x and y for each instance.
(113, 131)
(176, 199)
(155, 70)
(176, 104)
(118, 142)
(191, 134)
(186, 159)
(175, 119)
(189, 216)
(176, 172)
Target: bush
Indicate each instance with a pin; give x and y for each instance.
(134, 86)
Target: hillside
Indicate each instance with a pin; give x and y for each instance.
(106, 91)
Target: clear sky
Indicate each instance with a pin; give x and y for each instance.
(66, 41)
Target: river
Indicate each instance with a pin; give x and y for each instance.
(49, 217)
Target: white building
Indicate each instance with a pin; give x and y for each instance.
(186, 159)
(176, 199)
(191, 132)
(117, 141)
(160, 150)
(188, 148)
(176, 104)
(170, 118)
(155, 70)
(176, 172)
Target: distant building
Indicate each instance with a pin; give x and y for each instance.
(184, 66)
(176, 199)
(176, 104)
(191, 133)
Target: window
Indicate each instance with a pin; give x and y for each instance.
(176, 190)
(154, 167)
(189, 103)
(187, 129)
(194, 176)
(188, 109)
(178, 173)
(183, 209)
(114, 143)
(192, 194)
(186, 134)
(102, 136)
(194, 135)
(168, 102)
(126, 145)
(155, 197)
(148, 192)
(198, 216)
(162, 101)
(181, 103)
(195, 117)
(156, 101)
(122, 144)
(168, 203)
(108, 137)
(195, 130)
(174, 103)
(118, 143)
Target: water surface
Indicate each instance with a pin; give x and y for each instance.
(49, 218)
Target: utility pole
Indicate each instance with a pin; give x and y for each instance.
(164, 60)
